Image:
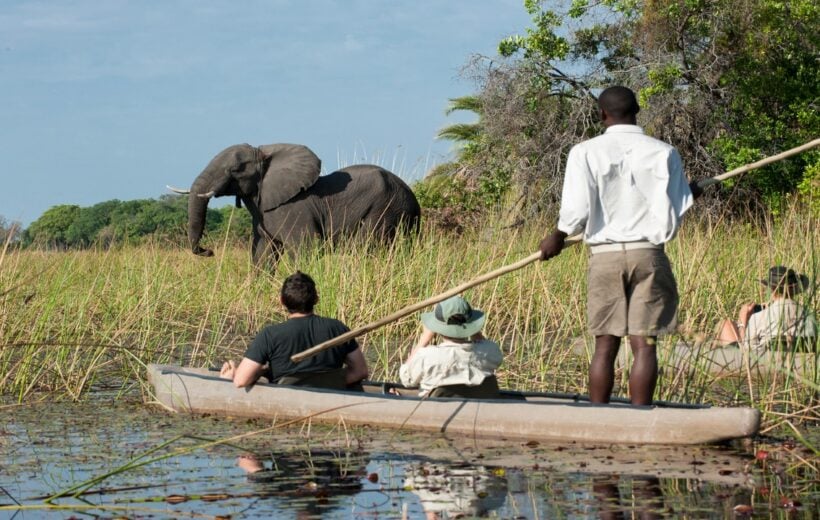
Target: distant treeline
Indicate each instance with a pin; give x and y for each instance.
(727, 82)
(112, 222)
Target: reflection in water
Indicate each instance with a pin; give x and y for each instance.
(357, 474)
(308, 483)
(456, 491)
(646, 500)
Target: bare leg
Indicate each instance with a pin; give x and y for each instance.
(728, 332)
(644, 374)
(602, 368)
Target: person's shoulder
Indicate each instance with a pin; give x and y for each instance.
(648, 140)
(588, 144)
(271, 328)
(326, 319)
(486, 344)
(330, 322)
(273, 331)
(432, 352)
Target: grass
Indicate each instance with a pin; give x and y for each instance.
(74, 322)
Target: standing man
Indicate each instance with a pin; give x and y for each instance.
(627, 192)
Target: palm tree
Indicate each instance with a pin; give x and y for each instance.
(463, 133)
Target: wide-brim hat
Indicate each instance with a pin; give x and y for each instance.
(781, 277)
(454, 318)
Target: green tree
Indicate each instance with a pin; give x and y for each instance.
(452, 194)
(234, 222)
(466, 135)
(725, 81)
(85, 229)
(131, 222)
(50, 229)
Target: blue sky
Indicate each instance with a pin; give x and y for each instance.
(114, 99)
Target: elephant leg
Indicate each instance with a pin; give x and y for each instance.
(256, 248)
(265, 250)
(378, 229)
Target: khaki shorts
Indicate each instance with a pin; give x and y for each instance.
(631, 293)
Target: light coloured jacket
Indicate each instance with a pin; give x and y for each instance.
(451, 363)
(781, 318)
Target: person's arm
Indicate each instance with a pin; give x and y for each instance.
(355, 367)
(411, 371)
(746, 310)
(253, 365)
(696, 190)
(575, 193)
(243, 375)
(574, 212)
(425, 338)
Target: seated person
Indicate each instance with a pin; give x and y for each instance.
(336, 367)
(463, 357)
(759, 325)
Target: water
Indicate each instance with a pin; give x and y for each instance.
(344, 472)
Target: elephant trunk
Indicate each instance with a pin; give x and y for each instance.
(197, 210)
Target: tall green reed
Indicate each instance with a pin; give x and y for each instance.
(75, 321)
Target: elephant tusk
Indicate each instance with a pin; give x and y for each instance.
(206, 195)
(178, 190)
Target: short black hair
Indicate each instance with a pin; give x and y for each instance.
(619, 102)
(299, 293)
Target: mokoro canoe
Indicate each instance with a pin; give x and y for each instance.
(520, 415)
(733, 360)
(724, 361)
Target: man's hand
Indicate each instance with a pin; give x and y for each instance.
(746, 311)
(696, 190)
(228, 370)
(552, 244)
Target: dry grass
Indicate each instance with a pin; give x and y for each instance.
(71, 322)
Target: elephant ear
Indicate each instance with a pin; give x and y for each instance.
(292, 168)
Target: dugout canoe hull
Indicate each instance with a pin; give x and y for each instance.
(723, 361)
(733, 360)
(541, 417)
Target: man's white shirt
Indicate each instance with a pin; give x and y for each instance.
(624, 186)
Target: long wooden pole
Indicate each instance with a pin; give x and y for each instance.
(347, 336)
(521, 263)
(759, 164)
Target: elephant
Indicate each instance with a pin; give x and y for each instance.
(290, 202)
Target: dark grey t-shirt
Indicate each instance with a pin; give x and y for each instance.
(275, 344)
